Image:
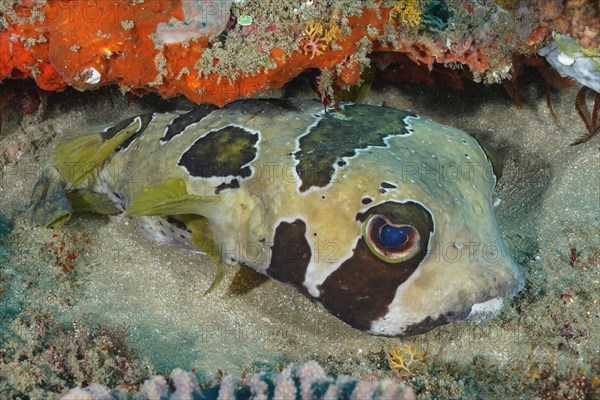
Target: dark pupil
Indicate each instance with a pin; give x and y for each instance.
(392, 236)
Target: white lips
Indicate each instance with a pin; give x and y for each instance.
(483, 311)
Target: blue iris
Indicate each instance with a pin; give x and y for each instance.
(393, 236)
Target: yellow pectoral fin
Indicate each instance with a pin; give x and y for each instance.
(78, 157)
(88, 201)
(202, 237)
(220, 272)
(169, 197)
(49, 204)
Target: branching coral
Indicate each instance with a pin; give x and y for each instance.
(407, 11)
(317, 38)
(313, 42)
(407, 360)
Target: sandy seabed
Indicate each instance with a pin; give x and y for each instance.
(545, 342)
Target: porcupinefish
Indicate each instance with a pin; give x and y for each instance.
(382, 217)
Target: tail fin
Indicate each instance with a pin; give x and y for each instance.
(74, 161)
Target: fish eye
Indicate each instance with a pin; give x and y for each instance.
(390, 242)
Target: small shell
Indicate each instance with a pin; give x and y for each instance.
(90, 75)
(565, 59)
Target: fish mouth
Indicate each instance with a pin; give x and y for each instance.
(481, 312)
(476, 314)
(489, 308)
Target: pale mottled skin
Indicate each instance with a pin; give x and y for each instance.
(440, 169)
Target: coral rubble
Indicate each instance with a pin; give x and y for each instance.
(40, 356)
(219, 51)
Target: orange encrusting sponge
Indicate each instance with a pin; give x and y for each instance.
(86, 44)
